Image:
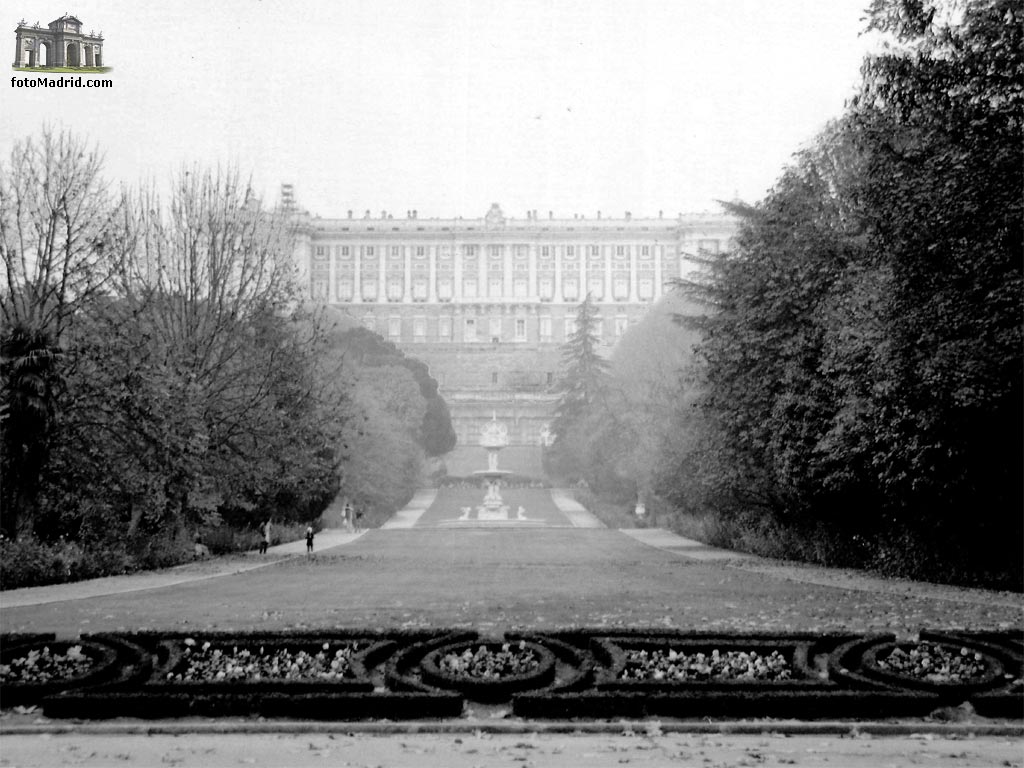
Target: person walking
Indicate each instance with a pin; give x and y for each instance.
(309, 539)
(266, 537)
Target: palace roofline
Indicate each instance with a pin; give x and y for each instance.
(378, 225)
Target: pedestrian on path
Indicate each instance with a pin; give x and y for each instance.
(265, 528)
(309, 539)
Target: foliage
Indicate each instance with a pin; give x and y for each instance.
(864, 363)
(160, 377)
(858, 395)
(583, 392)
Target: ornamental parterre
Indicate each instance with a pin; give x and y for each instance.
(928, 661)
(42, 666)
(207, 662)
(730, 665)
(485, 664)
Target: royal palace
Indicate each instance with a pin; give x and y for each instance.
(487, 302)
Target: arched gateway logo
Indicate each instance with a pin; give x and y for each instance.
(60, 46)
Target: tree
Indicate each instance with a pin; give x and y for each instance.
(54, 219)
(582, 386)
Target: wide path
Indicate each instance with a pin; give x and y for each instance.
(502, 577)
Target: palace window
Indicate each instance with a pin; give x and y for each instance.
(645, 289)
(570, 327)
(369, 250)
(394, 327)
(645, 250)
(469, 250)
(620, 250)
(469, 289)
(621, 288)
(419, 289)
(595, 285)
(419, 329)
(545, 250)
(520, 288)
(320, 251)
(344, 250)
(444, 288)
(520, 329)
(396, 250)
(545, 329)
(470, 333)
(421, 251)
(595, 250)
(395, 289)
(570, 289)
(495, 287)
(369, 290)
(570, 250)
(546, 288)
(345, 290)
(444, 327)
(494, 326)
(621, 324)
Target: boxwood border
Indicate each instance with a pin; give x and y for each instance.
(487, 691)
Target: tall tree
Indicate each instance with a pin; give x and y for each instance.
(583, 388)
(55, 216)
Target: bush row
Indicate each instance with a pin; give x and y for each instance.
(397, 675)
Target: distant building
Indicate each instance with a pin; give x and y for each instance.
(60, 44)
(487, 302)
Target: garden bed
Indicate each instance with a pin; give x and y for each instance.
(353, 675)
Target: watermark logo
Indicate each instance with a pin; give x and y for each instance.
(60, 46)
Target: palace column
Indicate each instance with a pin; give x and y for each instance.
(632, 274)
(558, 275)
(506, 271)
(357, 289)
(581, 257)
(406, 274)
(457, 278)
(432, 274)
(606, 261)
(332, 274)
(533, 292)
(658, 278)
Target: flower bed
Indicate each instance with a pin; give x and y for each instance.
(31, 671)
(489, 663)
(325, 676)
(730, 663)
(680, 666)
(932, 666)
(41, 665)
(489, 671)
(935, 663)
(208, 662)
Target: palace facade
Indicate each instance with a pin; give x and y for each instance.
(487, 302)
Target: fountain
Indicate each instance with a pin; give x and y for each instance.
(493, 437)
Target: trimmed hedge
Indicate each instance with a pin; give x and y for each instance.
(487, 690)
(395, 675)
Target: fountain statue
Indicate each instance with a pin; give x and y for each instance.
(493, 437)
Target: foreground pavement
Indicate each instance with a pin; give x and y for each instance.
(647, 746)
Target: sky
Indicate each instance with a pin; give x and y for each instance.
(447, 106)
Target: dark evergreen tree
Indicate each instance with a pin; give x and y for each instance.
(582, 386)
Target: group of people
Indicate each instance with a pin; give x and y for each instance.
(265, 530)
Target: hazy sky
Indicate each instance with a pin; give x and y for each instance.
(446, 106)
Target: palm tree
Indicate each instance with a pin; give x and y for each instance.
(28, 362)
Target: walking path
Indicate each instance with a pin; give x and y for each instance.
(578, 515)
(413, 511)
(198, 571)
